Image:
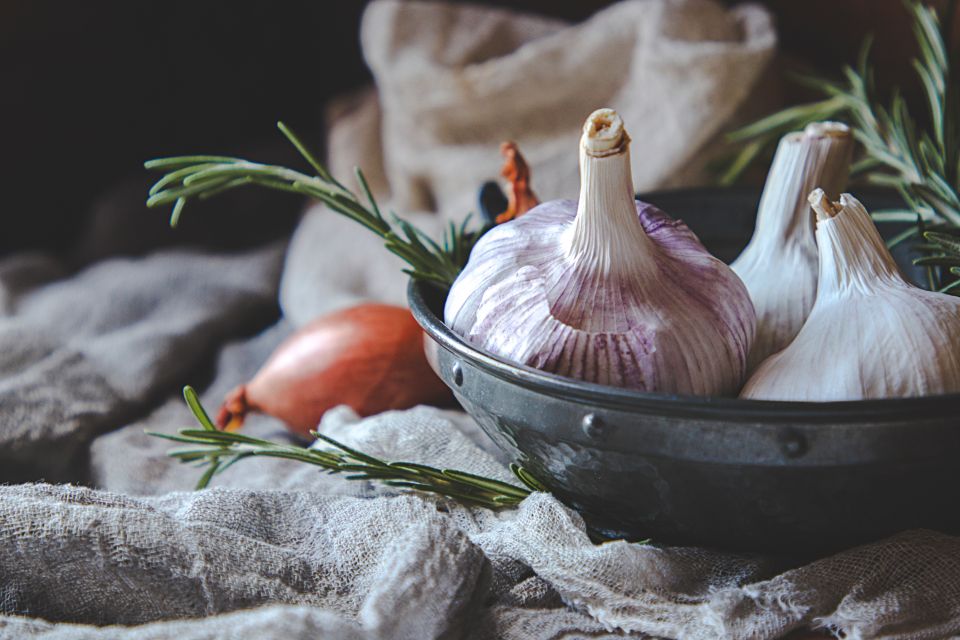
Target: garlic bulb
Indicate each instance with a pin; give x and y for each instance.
(870, 334)
(607, 289)
(779, 266)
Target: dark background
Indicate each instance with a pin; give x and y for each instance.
(91, 89)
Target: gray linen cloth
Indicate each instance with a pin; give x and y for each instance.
(354, 559)
(82, 354)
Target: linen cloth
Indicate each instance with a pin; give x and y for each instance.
(374, 562)
(278, 549)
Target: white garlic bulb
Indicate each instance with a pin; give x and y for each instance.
(607, 289)
(779, 266)
(870, 334)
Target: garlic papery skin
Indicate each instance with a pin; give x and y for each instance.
(871, 334)
(779, 266)
(606, 289)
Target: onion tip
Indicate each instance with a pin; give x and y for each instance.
(234, 410)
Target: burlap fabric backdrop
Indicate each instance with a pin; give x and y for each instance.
(280, 550)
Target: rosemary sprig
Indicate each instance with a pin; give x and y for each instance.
(922, 164)
(218, 450)
(204, 176)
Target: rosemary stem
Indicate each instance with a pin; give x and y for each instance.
(220, 449)
(204, 176)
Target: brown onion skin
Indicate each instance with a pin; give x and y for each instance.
(369, 357)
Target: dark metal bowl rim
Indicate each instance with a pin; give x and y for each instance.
(722, 408)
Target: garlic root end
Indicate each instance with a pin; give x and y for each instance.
(827, 129)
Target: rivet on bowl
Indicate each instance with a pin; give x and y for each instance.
(457, 370)
(594, 426)
(793, 444)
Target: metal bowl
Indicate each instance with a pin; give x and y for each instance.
(722, 472)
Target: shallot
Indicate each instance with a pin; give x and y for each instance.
(369, 357)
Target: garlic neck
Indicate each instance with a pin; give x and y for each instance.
(607, 235)
(853, 256)
(819, 156)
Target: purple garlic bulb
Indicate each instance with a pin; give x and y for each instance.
(607, 289)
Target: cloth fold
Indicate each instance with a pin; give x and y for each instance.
(99, 558)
